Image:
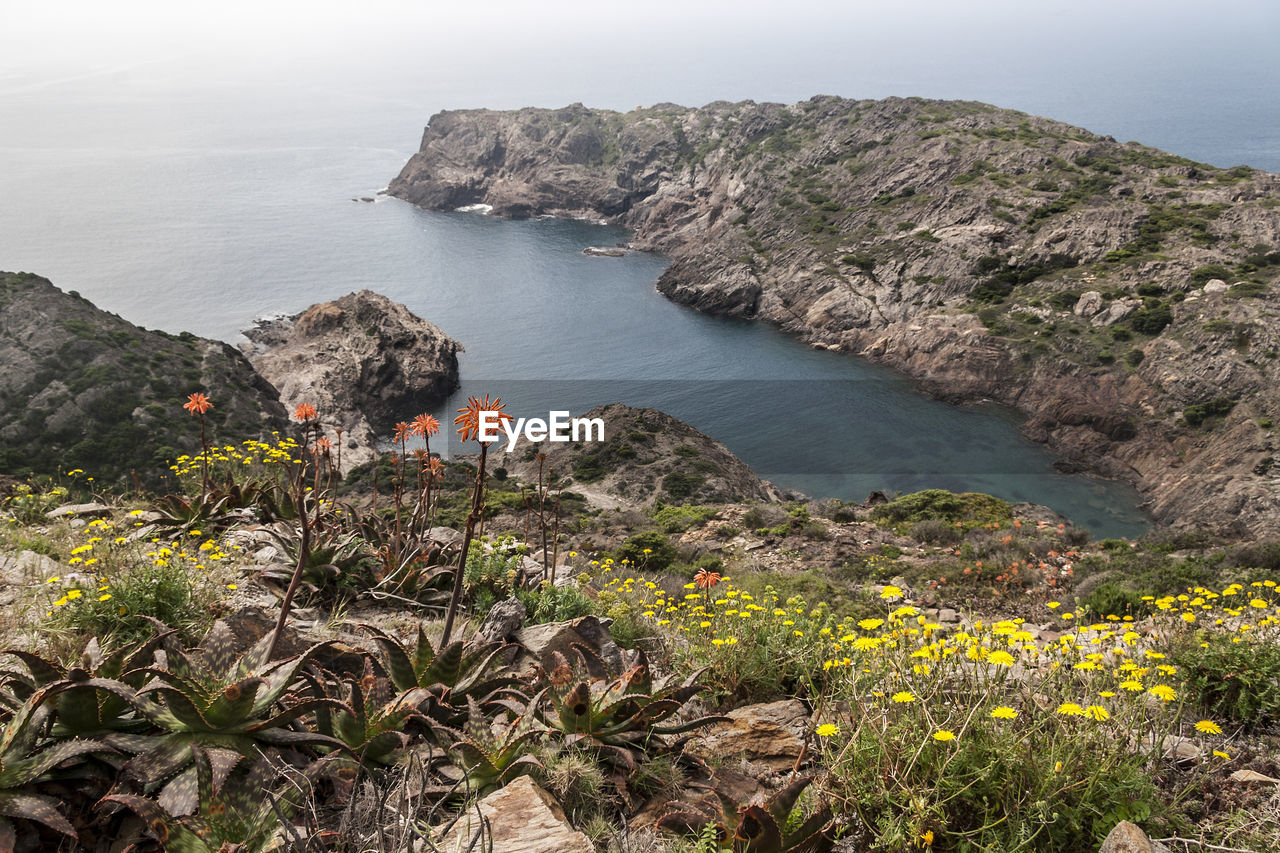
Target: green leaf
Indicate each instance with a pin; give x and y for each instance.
(35, 807)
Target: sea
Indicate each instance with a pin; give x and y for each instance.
(198, 194)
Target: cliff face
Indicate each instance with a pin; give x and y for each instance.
(1105, 289)
(363, 361)
(81, 388)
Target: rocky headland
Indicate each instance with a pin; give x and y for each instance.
(363, 361)
(1121, 297)
(83, 388)
(646, 456)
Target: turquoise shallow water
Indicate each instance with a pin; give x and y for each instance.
(203, 210)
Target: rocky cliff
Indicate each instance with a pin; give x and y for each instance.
(363, 361)
(81, 388)
(1120, 296)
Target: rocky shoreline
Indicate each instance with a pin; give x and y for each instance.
(986, 253)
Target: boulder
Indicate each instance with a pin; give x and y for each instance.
(504, 619)
(1216, 285)
(770, 733)
(539, 643)
(1116, 312)
(1253, 777)
(520, 818)
(1089, 304)
(1129, 838)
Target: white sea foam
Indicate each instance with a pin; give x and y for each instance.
(484, 209)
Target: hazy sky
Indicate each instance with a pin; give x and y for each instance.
(1144, 58)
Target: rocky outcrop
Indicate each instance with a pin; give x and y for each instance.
(363, 361)
(519, 818)
(82, 388)
(951, 240)
(645, 455)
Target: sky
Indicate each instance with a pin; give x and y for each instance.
(1144, 59)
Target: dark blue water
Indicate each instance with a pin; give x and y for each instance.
(202, 202)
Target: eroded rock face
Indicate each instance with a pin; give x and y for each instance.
(866, 227)
(363, 361)
(519, 818)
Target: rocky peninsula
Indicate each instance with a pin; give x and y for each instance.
(1121, 297)
(363, 361)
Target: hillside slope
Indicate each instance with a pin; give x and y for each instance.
(82, 388)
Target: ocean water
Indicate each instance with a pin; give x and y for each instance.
(203, 202)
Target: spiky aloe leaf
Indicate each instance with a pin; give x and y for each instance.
(169, 755)
(175, 837)
(181, 708)
(218, 651)
(231, 709)
(474, 666)
(681, 728)
(37, 807)
(279, 676)
(783, 801)
(445, 668)
(181, 794)
(18, 773)
(42, 671)
(292, 713)
(758, 829)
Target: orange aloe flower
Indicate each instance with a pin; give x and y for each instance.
(402, 431)
(323, 445)
(437, 467)
(705, 579)
(197, 404)
(304, 412)
(468, 419)
(425, 425)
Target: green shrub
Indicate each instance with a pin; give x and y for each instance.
(969, 509)
(649, 551)
(1232, 678)
(1195, 415)
(675, 519)
(548, 603)
(1113, 599)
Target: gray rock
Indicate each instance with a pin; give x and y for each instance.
(363, 361)
(540, 642)
(1127, 837)
(504, 619)
(1216, 285)
(1089, 304)
(946, 614)
(445, 536)
(519, 818)
(1253, 777)
(1116, 311)
(89, 510)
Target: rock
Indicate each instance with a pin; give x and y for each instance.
(1216, 285)
(21, 572)
(1181, 750)
(605, 251)
(771, 733)
(504, 619)
(1127, 837)
(540, 642)
(946, 614)
(89, 510)
(445, 536)
(1089, 304)
(1116, 311)
(519, 818)
(363, 361)
(1253, 777)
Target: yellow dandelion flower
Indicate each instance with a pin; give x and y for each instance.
(1000, 658)
(1070, 709)
(1098, 713)
(904, 696)
(1004, 713)
(1222, 754)
(827, 729)
(1163, 692)
(944, 735)
(1208, 727)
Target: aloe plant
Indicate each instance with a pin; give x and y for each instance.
(451, 676)
(754, 827)
(369, 720)
(622, 717)
(239, 810)
(489, 761)
(331, 555)
(82, 709)
(210, 699)
(28, 760)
